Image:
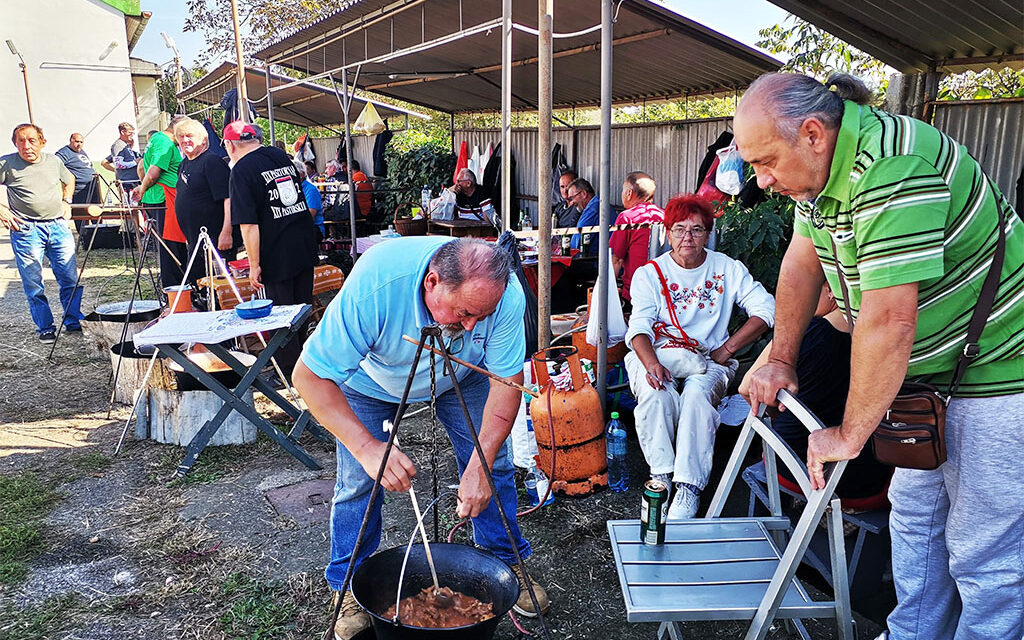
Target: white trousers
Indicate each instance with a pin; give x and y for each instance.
(677, 429)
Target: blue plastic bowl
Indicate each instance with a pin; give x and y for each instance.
(254, 309)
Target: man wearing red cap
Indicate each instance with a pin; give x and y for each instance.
(277, 227)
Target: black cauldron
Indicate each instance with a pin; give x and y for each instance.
(466, 569)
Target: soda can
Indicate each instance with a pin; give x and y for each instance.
(566, 245)
(653, 512)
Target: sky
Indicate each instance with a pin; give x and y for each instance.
(738, 19)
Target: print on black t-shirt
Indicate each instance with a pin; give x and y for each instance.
(265, 191)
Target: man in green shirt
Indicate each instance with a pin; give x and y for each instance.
(914, 220)
(158, 189)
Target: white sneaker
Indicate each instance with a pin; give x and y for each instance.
(663, 477)
(883, 636)
(684, 503)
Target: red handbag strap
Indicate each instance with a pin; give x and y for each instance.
(683, 340)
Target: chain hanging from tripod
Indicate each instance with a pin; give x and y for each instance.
(433, 440)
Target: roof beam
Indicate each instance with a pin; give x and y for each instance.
(524, 61)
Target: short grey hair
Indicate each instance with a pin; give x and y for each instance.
(792, 98)
(469, 172)
(463, 259)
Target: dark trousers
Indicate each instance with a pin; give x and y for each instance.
(295, 290)
(88, 193)
(171, 274)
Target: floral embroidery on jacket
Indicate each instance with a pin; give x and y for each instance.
(703, 296)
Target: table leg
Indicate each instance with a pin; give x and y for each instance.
(232, 401)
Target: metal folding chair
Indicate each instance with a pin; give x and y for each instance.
(715, 568)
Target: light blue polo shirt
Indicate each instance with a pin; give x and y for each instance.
(359, 341)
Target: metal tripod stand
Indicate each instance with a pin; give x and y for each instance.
(432, 334)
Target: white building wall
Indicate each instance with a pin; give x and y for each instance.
(73, 90)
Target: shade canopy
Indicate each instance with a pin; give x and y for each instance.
(446, 54)
(911, 35)
(304, 104)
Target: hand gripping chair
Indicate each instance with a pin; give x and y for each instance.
(715, 568)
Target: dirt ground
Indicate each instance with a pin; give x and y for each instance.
(126, 551)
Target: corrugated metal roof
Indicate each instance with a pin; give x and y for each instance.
(304, 104)
(657, 53)
(912, 34)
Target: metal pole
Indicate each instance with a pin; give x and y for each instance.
(506, 111)
(270, 106)
(544, 51)
(347, 100)
(28, 96)
(606, 197)
(243, 101)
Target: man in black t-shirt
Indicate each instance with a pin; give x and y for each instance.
(202, 199)
(277, 228)
(472, 200)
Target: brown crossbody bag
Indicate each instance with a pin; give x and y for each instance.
(912, 435)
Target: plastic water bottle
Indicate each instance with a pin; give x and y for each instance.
(425, 200)
(537, 486)
(618, 473)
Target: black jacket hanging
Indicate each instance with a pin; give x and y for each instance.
(723, 141)
(380, 147)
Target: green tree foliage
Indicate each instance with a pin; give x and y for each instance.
(411, 166)
(816, 52)
(982, 85)
(758, 236)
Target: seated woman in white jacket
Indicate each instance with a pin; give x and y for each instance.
(679, 339)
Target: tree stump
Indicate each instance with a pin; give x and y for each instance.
(174, 417)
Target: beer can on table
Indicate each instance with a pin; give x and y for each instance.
(653, 512)
(566, 245)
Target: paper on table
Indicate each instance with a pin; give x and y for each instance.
(213, 326)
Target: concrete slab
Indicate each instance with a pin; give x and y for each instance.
(307, 502)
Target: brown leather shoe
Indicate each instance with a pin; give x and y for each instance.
(524, 605)
(352, 620)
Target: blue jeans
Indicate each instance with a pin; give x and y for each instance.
(958, 531)
(54, 239)
(352, 491)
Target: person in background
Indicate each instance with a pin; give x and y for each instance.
(36, 218)
(581, 195)
(566, 214)
(311, 172)
(353, 371)
(278, 232)
(202, 195)
(682, 306)
(630, 247)
(78, 163)
(124, 159)
(364, 197)
(912, 221)
(158, 188)
(823, 371)
(472, 201)
(313, 199)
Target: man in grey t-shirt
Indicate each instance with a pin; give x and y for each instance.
(124, 159)
(39, 191)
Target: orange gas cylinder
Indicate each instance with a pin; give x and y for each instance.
(580, 459)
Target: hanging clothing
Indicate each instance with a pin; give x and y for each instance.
(462, 162)
(474, 161)
(559, 165)
(489, 151)
(380, 148)
(723, 141)
(216, 145)
(230, 105)
(492, 182)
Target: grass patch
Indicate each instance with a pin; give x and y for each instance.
(91, 462)
(24, 503)
(37, 622)
(258, 609)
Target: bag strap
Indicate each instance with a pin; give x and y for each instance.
(979, 316)
(685, 340)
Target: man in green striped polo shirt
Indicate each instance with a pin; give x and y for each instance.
(914, 220)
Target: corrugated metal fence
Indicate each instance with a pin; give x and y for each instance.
(993, 131)
(670, 152)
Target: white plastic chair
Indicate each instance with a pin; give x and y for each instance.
(715, 568)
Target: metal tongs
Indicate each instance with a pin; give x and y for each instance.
(442, 597)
